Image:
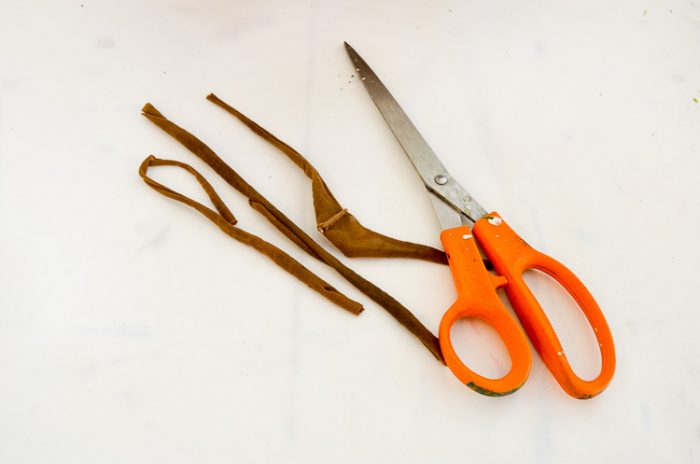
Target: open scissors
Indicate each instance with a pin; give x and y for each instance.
(476, 287)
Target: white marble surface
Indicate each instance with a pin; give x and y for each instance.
(132, 330)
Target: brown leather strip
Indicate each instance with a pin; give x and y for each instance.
(226, 222)
(288, 228)
(260, 208)
(341, 228)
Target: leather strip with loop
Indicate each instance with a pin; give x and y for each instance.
(226, 221)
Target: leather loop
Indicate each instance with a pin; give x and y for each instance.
(225, 220)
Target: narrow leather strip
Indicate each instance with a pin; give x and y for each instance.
(342, 229)
(225, 220)
(260, 208)
(293, 232)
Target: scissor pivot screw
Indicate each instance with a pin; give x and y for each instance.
(496, 221)
(440, 179)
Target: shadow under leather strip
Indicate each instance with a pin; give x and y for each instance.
(225, 220)
(293, 232)
(339, 226)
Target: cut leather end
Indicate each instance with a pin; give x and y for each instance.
(150, 110)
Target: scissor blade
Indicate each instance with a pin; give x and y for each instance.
(434, 175)
(447, 216)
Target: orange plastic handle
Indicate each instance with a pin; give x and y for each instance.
(511, 256)
(477, 297)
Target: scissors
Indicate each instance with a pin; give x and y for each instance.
(464, 224)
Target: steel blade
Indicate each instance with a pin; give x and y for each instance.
(431, 170)
(447, 216)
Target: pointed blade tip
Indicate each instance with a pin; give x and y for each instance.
(351, 51)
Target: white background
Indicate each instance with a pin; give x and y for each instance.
(132, 330)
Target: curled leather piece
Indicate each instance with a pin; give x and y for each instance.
(294, 232)
(339, 226)
(226, 221)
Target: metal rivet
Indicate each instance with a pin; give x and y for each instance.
(496, 221)
(440, 179)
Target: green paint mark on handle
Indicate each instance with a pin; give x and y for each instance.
(486, 392)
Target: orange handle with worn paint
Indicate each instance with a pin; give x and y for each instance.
(477, 298)
(511, 256)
